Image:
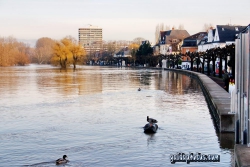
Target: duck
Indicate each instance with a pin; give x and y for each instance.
(151, 120)
(139, 89)
(62, 160)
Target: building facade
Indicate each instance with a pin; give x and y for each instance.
(170, 41)
(221, 36)
(190, 44)
(91, 39)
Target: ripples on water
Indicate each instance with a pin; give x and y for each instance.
(95, 116)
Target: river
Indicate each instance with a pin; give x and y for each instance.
(95, 115)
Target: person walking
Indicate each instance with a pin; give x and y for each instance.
(226, 80)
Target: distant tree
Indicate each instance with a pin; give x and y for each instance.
(133, 49)
(67, 51)
(61, 54)
(207, 26)
(157, 33)
(138, 40)
(43, 51)
(174, 27)
(145, 50)
(167, 27)
(111, 47)
(161, 26)
(77, 51)
(181, 27)
(13, 52)
(21, 59)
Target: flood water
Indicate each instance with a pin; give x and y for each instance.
(95, 116)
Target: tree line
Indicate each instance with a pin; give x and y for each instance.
(208, 57)
(64, 52)
(13, 52)
(67, 51)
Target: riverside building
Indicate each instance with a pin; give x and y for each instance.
(91, 39)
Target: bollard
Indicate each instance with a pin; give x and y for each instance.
(245, 137)
(237, 130)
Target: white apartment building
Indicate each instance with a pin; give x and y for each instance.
(91, 38)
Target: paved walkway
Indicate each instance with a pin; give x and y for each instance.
(241, 154)
(218, 80)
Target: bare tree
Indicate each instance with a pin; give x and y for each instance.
(167, 27)
(181, 27)
(138, 40)
(174, 27)
(157, 33)
(13, 52)
(161, 27)
(43, 51)
(207, 26)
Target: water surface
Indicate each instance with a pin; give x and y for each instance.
(95, 116)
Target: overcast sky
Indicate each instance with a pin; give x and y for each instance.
(29, 20)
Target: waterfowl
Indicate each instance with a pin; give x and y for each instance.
(62, 160)
(150, 128)
(151, 120)
(139, 89)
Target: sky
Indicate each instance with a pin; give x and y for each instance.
(29, 20)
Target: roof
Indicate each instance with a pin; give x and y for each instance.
(163, 34)
(194, 39)
(245, 29)
(167, 36)
(228, 33)
(203, 40)
(199, 36)
(176, 34)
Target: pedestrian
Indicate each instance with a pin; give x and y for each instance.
(226, 80)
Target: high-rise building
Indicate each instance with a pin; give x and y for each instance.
(91, 39)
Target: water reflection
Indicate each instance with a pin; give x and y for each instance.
(150, 138)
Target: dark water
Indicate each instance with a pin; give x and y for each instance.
(95, 116)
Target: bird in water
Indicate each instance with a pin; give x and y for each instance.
(139, 89)
(62, 160)
(151, 120)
